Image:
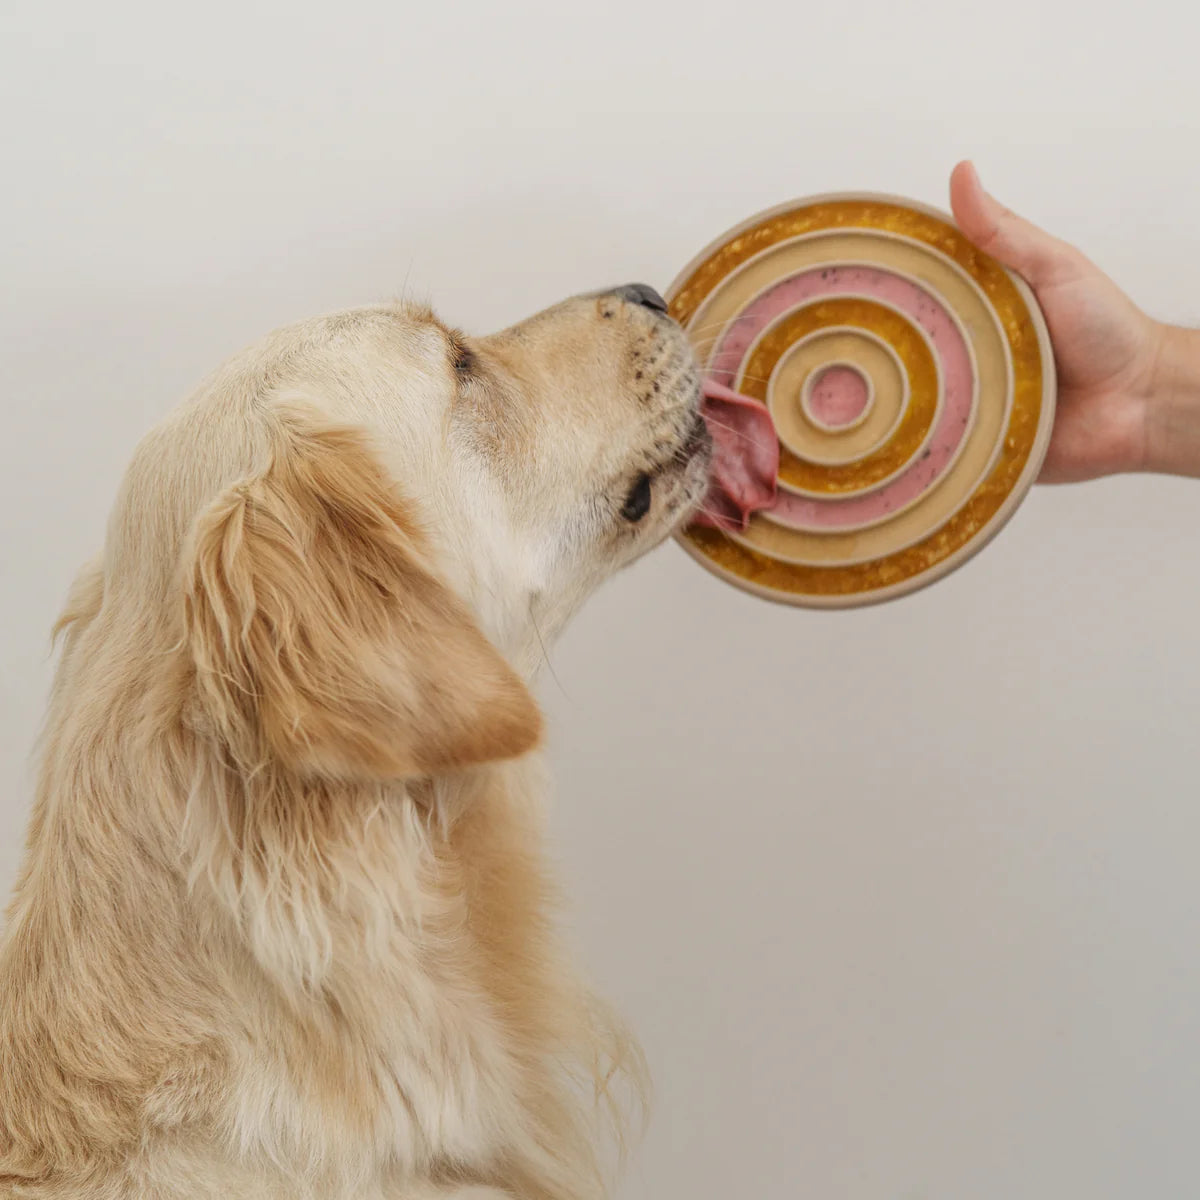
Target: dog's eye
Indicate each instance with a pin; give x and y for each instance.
(637, 503)
(462, 357)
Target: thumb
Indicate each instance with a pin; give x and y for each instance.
(997, 231)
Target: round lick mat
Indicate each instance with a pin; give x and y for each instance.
(911, 383)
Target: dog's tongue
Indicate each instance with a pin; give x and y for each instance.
(745, 458)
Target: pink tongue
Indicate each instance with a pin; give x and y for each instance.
(745, 458)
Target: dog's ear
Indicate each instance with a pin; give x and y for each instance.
(320, 638)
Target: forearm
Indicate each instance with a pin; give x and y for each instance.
(1173, 405)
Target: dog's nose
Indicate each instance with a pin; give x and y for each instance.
(643, 294)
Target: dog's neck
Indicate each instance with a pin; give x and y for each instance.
(515, 598)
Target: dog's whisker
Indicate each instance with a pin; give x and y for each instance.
(713, 515)
(700, 330)
(746, 378)
(737, 433)
(545, 653)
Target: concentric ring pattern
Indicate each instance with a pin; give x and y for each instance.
(911, 384)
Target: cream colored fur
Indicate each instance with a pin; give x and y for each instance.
(283, 927)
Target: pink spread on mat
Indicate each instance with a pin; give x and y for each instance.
(839, 395)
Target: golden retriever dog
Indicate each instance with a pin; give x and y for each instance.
(283, 927)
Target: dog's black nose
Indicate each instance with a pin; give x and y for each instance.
(643, 294)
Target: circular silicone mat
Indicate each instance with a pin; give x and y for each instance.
(910, 379)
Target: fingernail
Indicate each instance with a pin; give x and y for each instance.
(988, 197)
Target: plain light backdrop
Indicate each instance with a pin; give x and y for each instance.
(904, 902)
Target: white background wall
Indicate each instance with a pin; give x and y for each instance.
(903, 901)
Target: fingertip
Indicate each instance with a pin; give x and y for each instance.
(967, 198)
(964, 173)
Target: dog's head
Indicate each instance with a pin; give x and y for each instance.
(577, 444)
(425, 509)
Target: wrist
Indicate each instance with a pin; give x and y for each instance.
(1172, 404)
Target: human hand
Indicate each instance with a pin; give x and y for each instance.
(1128, 386)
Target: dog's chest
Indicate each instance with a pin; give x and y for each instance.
(427, 1081)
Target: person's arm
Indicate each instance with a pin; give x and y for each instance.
(1128, 386)
(1173, 415)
